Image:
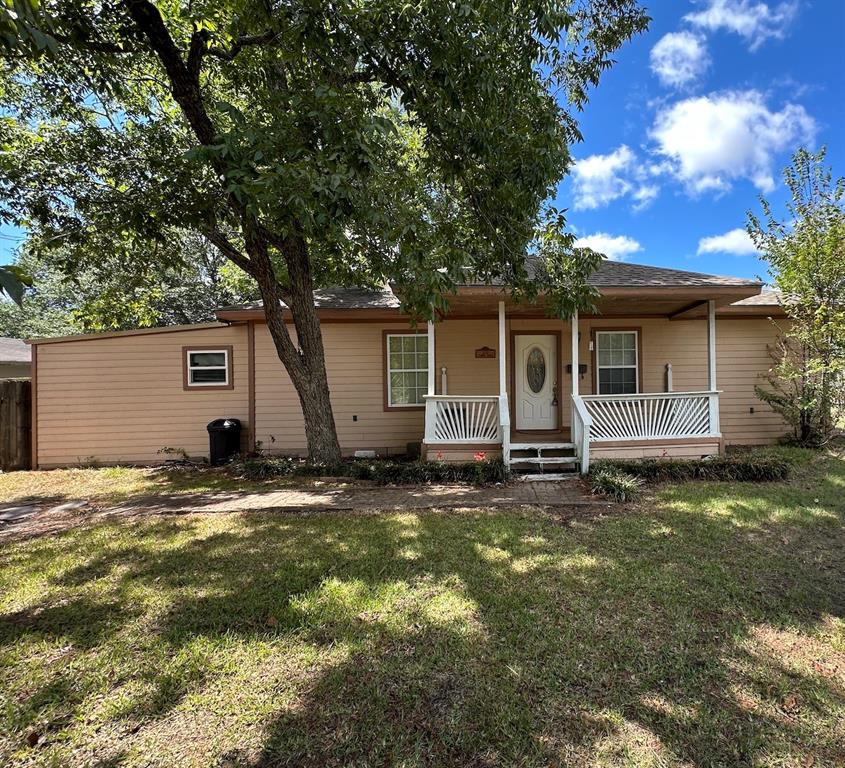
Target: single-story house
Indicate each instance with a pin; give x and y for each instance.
(667, 366)
(15, 357)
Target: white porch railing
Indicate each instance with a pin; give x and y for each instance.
(462, 419)
(653, 416)
(582, 424)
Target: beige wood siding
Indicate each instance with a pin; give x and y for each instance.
(355, 363)
(742, 360)
(121, 398)
(454, 348)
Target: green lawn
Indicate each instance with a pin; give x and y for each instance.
(109, 485)
(703, 627)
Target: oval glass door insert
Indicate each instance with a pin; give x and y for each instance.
(535, 370)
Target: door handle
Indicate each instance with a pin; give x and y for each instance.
(554, 395)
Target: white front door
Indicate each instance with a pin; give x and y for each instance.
(535, 381)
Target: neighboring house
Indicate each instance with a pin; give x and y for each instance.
(15, 356)
(667, 367)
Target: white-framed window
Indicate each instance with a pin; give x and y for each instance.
(207, 367)
(407, 369)
(617, 362)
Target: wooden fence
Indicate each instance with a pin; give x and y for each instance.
(15, 423)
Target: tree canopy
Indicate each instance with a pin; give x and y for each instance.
(312, 142)
(806, 257)
(67, 298)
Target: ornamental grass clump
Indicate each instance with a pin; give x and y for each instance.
(615, 484)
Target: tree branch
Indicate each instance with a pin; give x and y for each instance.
(265, 38)
(198, 48)
(225, 246)
(184, 83)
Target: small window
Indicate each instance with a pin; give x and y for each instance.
(207, 367)
(617, 362)
(407, 369)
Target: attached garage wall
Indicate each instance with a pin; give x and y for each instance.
(120, 399)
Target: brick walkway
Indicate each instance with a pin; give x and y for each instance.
(26, 522)
(564, 493)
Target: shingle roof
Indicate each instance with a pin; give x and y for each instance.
(619, 274)
(342, 298)
(610, 274)
(764, 299)
(14, 351)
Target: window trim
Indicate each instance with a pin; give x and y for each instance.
(637, 331)
(386, 334)
(226, 349)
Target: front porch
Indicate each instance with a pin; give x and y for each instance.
(623, 401)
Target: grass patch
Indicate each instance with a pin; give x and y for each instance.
(115, 484)
(704, 629)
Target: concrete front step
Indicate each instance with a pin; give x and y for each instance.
(544, 460)
(542, 446)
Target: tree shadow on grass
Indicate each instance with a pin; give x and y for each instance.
(477, 638)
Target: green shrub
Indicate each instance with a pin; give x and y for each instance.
(744, 468)
(379, 471)
(263, 467)
(615, 484)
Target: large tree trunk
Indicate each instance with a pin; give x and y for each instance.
(305, 362)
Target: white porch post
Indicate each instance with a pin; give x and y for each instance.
(711, 345)
(504, 408)
(430, 403)
(503, 385)
(715, 428)
(430, 358)
(575, 376)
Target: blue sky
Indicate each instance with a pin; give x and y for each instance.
(698, 117)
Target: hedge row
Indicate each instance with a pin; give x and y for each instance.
(746, 469)
(380, 471)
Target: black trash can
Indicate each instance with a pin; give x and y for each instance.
(224, 440)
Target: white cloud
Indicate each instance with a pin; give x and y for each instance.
(615, 247)
(600, 179)
(679, 58)
(736, 242)
(644, 195)
(710, 141)
(755, 21)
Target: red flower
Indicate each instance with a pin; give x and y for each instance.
(481, 456)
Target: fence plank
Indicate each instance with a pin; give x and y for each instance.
(15, 424)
